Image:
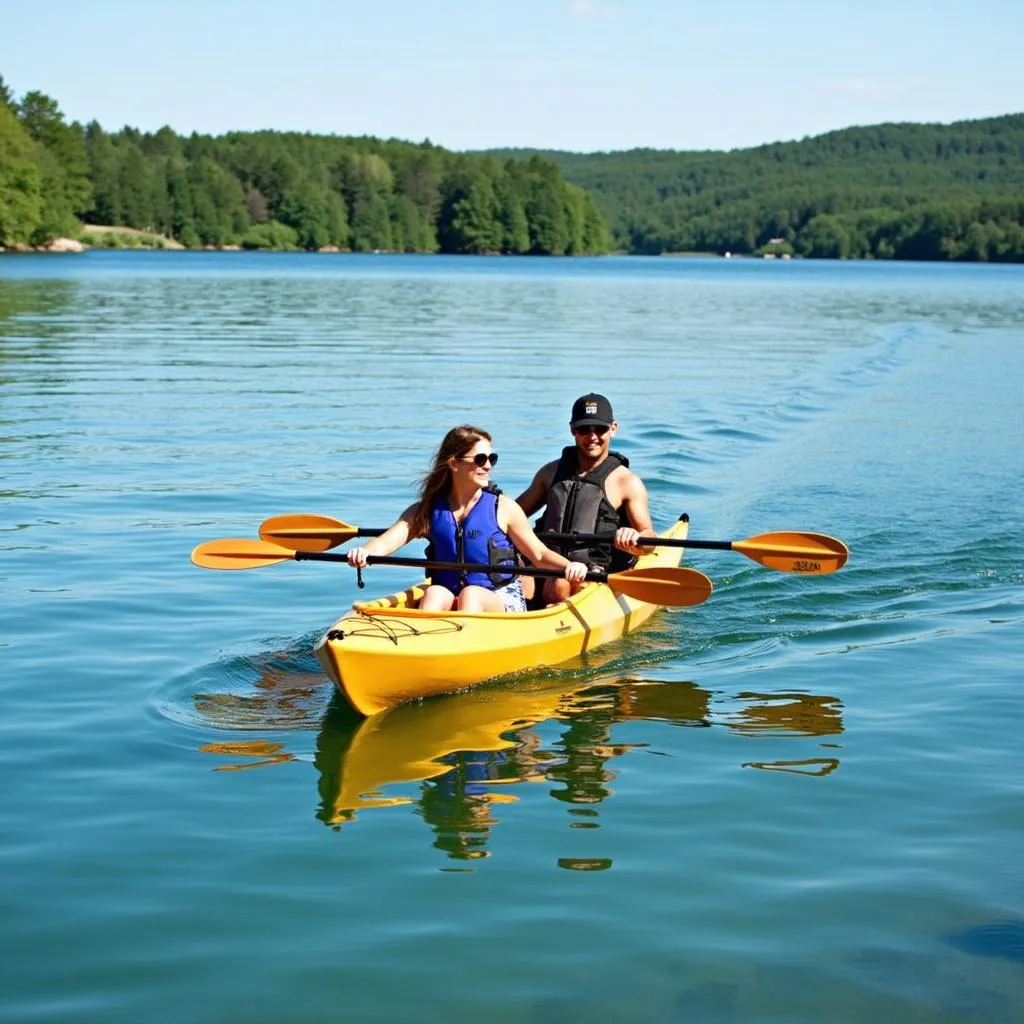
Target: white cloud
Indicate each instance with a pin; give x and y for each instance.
(591, 9)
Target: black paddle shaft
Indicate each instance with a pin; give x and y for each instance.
(607, 538)
(424, 563)
(661, 542)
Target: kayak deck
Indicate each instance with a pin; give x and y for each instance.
(386, 652)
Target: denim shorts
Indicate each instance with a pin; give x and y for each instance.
(512, 595)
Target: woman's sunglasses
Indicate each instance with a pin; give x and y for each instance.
(480, 459)
(590, 428)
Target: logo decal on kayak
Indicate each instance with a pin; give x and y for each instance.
(562, 628)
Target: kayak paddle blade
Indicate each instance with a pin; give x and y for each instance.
(668, 586)
(306, 532)
(808, 554)
(239, 553)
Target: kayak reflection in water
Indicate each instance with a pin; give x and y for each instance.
(466, 520)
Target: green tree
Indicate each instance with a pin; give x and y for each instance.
(407, 230)
(6, 96)
(218, 203)
(469, 221)
(317, 214)
(508, 190)
(824, 237)
(365, 180)
(58, 216)
(21, 200)
(183, 217)
(271, 235)
(574, 218)
(546, 210)
(596, 238)
(135, 189)
(160, 198)
(104, 172)
(164, 143)
(69, 177)
(417, 177)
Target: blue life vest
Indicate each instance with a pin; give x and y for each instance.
(478, 538)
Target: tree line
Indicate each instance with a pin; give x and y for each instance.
(280, 190)
(890, 191)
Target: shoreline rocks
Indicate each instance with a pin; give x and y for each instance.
(57, 245)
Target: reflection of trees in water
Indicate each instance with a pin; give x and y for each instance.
(34, 321)
(463, 754)
(808, 766)
(789, 714)
(29, 307)
(33, 316)
(261, 752)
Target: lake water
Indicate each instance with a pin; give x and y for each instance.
(800, 801)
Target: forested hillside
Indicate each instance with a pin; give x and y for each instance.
(892, 191)
(279, 190)
(906, 191)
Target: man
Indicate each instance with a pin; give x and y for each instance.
(590, 489)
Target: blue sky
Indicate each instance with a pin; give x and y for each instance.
(565, 74)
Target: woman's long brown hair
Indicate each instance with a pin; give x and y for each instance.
(457, 443)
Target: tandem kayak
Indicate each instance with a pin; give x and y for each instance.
(387, 652)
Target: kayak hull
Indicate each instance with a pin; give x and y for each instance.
(384, 653)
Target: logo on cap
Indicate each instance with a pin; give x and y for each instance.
(591, 408)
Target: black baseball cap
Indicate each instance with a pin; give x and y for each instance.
(592, 410)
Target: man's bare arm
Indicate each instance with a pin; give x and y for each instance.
(535, 496)
(635, 502)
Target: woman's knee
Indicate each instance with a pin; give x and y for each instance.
(479, 599)
(437, 599)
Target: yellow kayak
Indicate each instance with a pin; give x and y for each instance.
(387, 652)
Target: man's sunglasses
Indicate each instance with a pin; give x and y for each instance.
(591, 428)
(480, 459)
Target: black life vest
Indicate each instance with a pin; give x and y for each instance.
(577, 503)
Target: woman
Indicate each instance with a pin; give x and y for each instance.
(466, 522)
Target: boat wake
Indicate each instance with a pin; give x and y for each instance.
(276, 690)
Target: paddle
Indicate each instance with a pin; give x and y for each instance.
(811, 554)
(665, 586)
(310, 532)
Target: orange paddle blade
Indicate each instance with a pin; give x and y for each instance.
(307, 532)
(239, 553)
(811, 554)
(666, 586)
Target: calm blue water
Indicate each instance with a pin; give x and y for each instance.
(800, 801)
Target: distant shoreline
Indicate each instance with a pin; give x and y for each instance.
(126, 239)
(70, 246)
